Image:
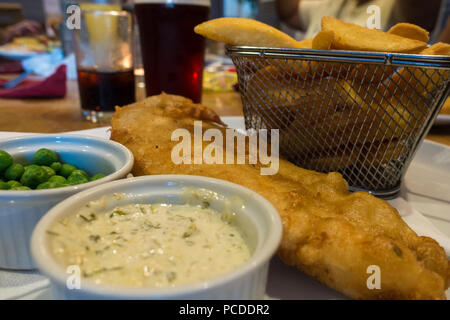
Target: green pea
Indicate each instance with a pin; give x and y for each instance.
(51, 185)
(30, 166)
(77, 178)
(4, 185)
(66, 170)
(44, 185)
(80, 172)
(97, 176)
(50, 171)
(21, 188)
(14, 184)
(33, 176)
(45, 157)
(14, 171)
(56, 166)
(59, 179)
(60, 185)
(5, 160)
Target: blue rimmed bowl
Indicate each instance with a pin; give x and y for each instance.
(21, 210)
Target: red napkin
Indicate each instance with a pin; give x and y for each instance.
(11, 67)
(52, 87)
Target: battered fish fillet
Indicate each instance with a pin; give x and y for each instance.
(329, 233)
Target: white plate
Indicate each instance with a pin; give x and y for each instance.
(16, 54)
(426, 187)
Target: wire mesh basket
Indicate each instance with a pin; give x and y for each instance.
(362, 114)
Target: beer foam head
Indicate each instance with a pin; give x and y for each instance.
(191, 2)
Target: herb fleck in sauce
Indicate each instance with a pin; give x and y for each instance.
(153, 245)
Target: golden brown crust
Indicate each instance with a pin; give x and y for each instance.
(245, 32)
(329, 233)
(349, 36)
(411, 31)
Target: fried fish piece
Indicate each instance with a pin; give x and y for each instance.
(329, 233)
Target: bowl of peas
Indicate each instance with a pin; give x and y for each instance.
(39, 171)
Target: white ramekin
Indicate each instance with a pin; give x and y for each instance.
(256, 217)
(21, 210)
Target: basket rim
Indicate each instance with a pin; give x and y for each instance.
(365, 57)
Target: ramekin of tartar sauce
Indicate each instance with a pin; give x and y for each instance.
(159, 237)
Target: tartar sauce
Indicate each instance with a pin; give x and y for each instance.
(156, 245)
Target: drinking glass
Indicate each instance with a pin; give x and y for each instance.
(172, 53)
(104, 54)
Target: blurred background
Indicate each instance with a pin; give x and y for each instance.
(38, 25)
(34, 39)
(297, 17)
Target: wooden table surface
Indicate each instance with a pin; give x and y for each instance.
(61, 115)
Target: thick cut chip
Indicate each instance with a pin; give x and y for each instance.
(438, 49)
(410, 31)
(323, 40)
(305, 43)
(446, 107)
(420, 80)
(334, 111)
(245, 32)
(350, 36)
(372, 73)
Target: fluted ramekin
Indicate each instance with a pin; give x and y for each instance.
(21, 210)
(255, 216)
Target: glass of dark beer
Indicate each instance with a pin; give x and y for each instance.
(104, 54)
(172, 54)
